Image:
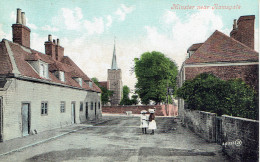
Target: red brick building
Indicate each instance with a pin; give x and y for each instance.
(225, 57)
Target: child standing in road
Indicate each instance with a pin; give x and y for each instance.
(152, 123)
(144, 121)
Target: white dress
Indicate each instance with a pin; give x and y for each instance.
(152, 125)
(144, 121)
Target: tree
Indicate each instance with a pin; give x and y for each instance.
(206, 92)
(105, 94)
(126, 100)
(154, 71)
(134, 99)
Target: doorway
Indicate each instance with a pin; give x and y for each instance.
(25, 119)
(73, 113)
(1, 119)
(86, 110)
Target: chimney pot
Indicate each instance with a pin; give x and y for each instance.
(18, 16)
(23, 19)
(235, 24)
(58, 42)
(54, 41)
(49, 37)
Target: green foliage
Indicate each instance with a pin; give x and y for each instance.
(134, 99)
(126, 100)
(106, 94)
(206, 92)
(153, 72)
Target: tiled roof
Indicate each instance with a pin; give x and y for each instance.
(22, 55)
(222, 48)
(194, 47)
(104, 84)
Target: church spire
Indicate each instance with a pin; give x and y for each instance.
(114, 64)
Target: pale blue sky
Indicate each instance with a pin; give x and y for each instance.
(87, 28)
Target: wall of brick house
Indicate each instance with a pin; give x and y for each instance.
(202, 123)
(233, 129)
(161, 110)
(23, 91)
(248, 73)
(246, 130)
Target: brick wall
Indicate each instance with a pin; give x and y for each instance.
(246, 130)
(161, 110)
(248, 73)
(202, 123)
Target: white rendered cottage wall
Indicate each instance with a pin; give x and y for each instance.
(34, 93)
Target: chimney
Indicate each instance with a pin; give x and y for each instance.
(23, 18)
(235, 24)
(59, 51)
(245, 30)
(21, 33)
(50, 47)
(19, 16)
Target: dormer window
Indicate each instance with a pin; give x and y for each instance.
(89, 83)
(44, 70)
(60, 75)
(79, 80)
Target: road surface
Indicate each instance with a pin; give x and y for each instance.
(119, 138)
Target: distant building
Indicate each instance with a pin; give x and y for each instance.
(225, 57)
(114, 78)
(39, 91)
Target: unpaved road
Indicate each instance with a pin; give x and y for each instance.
(118, 138)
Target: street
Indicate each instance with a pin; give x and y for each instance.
(119, 138)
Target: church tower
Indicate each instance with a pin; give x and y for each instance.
(114, 78)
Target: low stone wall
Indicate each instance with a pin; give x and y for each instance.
(239, 135)
(202, 123)
(161, 110)
(241, 138)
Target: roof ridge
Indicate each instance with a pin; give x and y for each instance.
(235, 41)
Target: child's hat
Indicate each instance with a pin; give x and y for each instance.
(143, 111)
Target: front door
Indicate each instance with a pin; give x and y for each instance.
(1, 119)
(86, 110)
(95, 110)
(73, 112)
(25, 119)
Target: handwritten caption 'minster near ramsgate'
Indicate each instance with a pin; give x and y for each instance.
(205, 7)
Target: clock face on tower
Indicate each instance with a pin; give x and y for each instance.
(114, 84)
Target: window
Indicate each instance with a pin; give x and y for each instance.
(62, 106)
(90, 84)
(91, 107)
(98, 105)
(62, 77)
(44, 108)
(81, 106)
(44, 70)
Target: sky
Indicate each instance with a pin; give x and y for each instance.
(87, 28)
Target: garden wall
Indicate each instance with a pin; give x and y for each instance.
(161, 110)
(239, 136)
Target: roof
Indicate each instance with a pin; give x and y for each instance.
(194, 47)
(104, 84)
(15, 58)
(222, 48)
(114, 63)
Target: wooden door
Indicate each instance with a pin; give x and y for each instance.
(25, 119)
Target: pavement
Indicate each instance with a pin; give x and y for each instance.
(114, 138)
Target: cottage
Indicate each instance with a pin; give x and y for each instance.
(40, 91)
(225, 57)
